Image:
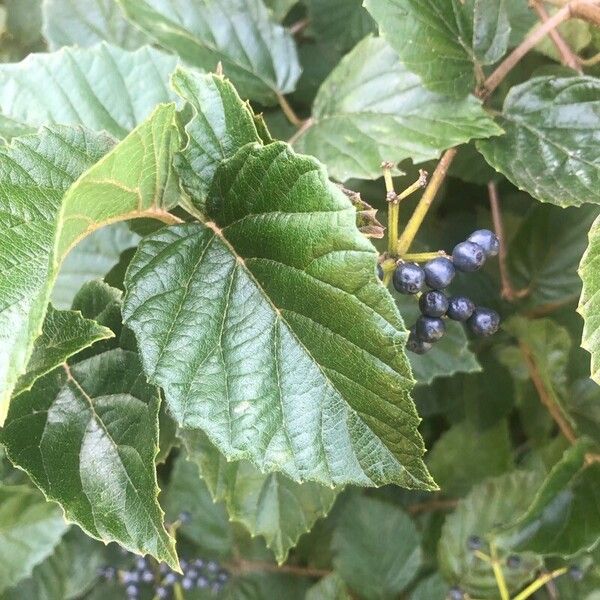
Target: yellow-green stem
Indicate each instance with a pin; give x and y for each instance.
(498, 574)
(414, 223)
(178, 592)
(393, 207)
(422, 256)
(541, 581)
(415, 187)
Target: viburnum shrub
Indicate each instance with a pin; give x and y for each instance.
(257, 256)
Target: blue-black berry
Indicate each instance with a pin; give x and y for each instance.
(455, 593)
(576, 573)
(474, 542)
(408, 278)
(487, 240)
(416, 345)
(468, 257)
(484, 322)
(132, 590)
(433, 303)
(430, 329)
(439, 273)
(460, 308)
(513, 561)
(161, 592)
(380, 272)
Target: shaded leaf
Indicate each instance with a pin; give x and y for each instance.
(64, 334)
(256, 53)
(293, 325)
(331, 587)
(91, 259)
(270, 505)
(30, 528)
(108, 88)
(589, 303)
(280, 8)
(88, 435)
(38, 201)
(432, 588)
(489, 505)
(66, 574)
(546, 251)
(24, 21)
(465, 455)
(208, 526)
(452, 354)
(376, 561)
(87, 22)
(371, 109)
(221, 125)
(564, 516)
(550, 149)
(445, 41)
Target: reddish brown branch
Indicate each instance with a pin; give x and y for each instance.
(568, 57)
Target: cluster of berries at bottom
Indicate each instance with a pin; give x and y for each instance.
(513, 561)
(437, 274)
(146, 578)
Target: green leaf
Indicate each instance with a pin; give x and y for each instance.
(280, 8)
(466, 455)
(376, 548)
(546, 251)
(550, 148)
(108, 88)
(87, 434)
(491, 504)
(85, 23)
(432, 588)
(66, 574)
(452, 354)
(64, 334)
(446, 42)
(24, 20)
(134, 179)
(256, 53)
(221, 125)
(293, 334)
(340, 23)
(372, 109)
(208, 526)
(589, 303)
(583, 405)
(30, 528)
(331, 587)
(270, 505)
(91, 259)
(564, 516)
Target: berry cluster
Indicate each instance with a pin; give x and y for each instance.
(146, 578)
(437, 274)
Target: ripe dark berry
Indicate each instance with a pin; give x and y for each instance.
(484, 322)
(408, 278)
(430, 329)
(185, 517)
(455, 593)
(439, 273)
(132, 591)
(468, 257)
(576, 573)
(460, 308)
(415, 345)
(433, 303)
(170, 578)
(147, 576)
(108, 573)
(161, 592)
(487, 240)
(513, 561)
(380, 272)
(474, 542)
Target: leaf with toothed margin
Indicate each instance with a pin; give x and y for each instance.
(30, 529)
(254, 51)
(270, 505)
(109, 89)
(589, 303)
(221, 125)
(275, 335)
(55, 188)
(87, 434)
(64, 333)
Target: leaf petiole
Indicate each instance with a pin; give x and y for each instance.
(539, 582)
(498, 574)
(422, 256)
